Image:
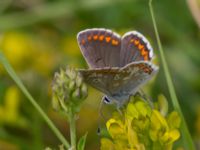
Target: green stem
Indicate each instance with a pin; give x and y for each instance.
(72, 122)
(185, 132)
(14, 76)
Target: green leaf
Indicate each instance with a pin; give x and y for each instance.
(81, 142)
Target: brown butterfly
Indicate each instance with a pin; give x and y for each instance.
(119, 66)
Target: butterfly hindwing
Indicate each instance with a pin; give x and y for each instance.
(99, 78)
(134, 75)
(100, 47)
(118, 82)
(135, 47)
(129, 79)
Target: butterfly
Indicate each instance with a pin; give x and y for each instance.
(119, 66)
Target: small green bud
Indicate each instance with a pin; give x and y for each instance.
(55, 103)
(68, 88)
(84, 91)
(76, 94)
(79, 80)
(72, 85)
(71, 73)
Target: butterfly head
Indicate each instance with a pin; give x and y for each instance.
(106, 99)
(118, 99)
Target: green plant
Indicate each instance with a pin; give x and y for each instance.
(68, 93)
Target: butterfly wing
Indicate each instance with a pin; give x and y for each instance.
(135, 47)
(100, 78)
(134, 75)
(120, 82)
(100, 47)
(129, 79)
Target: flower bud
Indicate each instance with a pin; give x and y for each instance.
(68, 89)
(84, 91)
(76, 94)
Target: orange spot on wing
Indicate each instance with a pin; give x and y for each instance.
(89, 38)
(95, 37)
(140, 46)
(101, 37)
(132, 40)
(115, 42)
(144, 52)
(108, 38)
(136, 42)
(83, 42)
(146, 57)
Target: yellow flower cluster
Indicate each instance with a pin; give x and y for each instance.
(142, 127)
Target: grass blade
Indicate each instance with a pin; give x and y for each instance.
(188, 143)
(82, 141)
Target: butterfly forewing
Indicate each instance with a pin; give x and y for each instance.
(135, 47)
(100, 47)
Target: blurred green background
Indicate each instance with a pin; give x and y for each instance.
(39, 36)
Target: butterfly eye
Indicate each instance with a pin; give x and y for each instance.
(106, 100)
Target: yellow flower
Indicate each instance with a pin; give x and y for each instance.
(141, 127)
(163, 131)
(9, 111)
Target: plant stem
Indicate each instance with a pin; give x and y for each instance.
(185, 132)
(72, 122)
(14, 76)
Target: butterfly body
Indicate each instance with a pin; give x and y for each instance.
(119, 66)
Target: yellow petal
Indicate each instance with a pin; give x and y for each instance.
(158, 125)
(162, 105)
(143, 108)
(106, 144)
(132, 135)
(158, 121)
(170, 137)
(131, 111)
(174, 120)
(115, 128)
